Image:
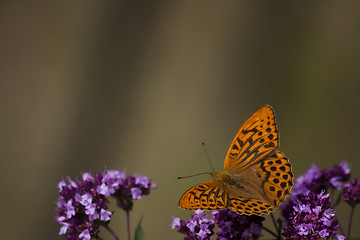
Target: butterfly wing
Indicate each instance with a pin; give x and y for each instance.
(209, 195)
(261, 177)
(262, 187)
(257, 138)
(249, 206)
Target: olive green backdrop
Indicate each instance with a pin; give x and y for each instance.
(139, 85)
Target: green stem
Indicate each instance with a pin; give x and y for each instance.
(128, 224)
(269, 231)
(276, 227)
(112, 232)
(350, 221)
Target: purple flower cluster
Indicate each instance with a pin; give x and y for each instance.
(312, 218)
(352, 192)
(125, 189)
(197, 227)
(82, 205)
(234, 226)
(315, 180)
(80, 208)
(230, 224)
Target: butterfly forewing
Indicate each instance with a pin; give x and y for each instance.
(256, 139)
(209, 195)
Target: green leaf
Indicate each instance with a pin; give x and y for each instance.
(139, 233)
(356, 238)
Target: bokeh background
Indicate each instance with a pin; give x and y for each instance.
(139, 85)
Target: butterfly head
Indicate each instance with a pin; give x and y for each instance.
(223, 176)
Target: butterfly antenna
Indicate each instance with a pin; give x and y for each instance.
(207, 156)
(194, 175)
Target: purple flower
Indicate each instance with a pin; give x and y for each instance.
(197, 227)
(312, 217)
(82, 205)
(111, 182)
(352, 192)
(78, 206)
(61, 185)
(64, 228)
(192, 223)
(316, 180)
(304, 182)
(135, 193)
(335, 176)
(85, 199)
(105, 215)
(88, 177)
(234, 226)
(69, 208)
(90, 209)
(127, 189)
(175, 223)
(85, 235)
(142, 180)
(340, 237)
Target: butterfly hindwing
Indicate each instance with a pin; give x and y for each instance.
(277, 177)
(262, 187)
(257, 138)
(248, 206)
(209, 195)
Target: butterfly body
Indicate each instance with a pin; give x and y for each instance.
(224, 177)
(256, 177)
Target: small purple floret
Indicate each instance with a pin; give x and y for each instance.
(197, 227)
(85, 235)
(135, 193)
(175, 223)
(352, 192)
(105, 215)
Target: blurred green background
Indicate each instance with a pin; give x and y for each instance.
(92, 84)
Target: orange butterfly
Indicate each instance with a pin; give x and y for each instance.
(256, 178)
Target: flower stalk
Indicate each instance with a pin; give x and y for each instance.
(111, 232)
(128, 224)
(350, 221)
